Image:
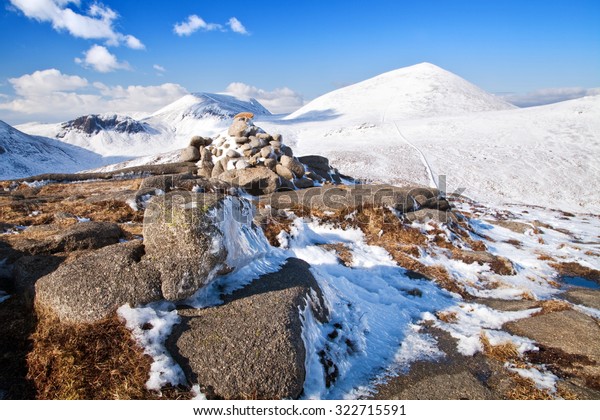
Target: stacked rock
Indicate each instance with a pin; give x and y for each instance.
(245, 146)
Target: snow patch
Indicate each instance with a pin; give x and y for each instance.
(151, 325)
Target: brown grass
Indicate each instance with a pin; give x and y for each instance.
(449, 317)
(17, 322)
(503, 352)
(341, 251)
(93, 361)
(573, 269)
(71, 198)
(525, 389)
(273, 227)
(545, 257)
(549, 306)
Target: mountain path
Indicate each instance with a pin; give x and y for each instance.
(432, 181)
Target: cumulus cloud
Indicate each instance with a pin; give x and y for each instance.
(193, 24)
(278, 101)
(50, 96)
(236, 26)
(42, 82)
(100, 59)
(549, 96)
(97, 23)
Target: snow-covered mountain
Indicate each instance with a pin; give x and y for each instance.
(22, 155)
(419, 91)
(167, 129)
(416, 124)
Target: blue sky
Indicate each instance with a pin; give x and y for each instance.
(61, 58)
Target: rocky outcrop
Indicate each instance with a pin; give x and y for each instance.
(183, 240)
(351, 197)
(93, 286)
(251, 346)
(93, 124)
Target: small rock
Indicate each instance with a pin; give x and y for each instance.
(287, 151)
(266, 152)
(198, 141)
(270, 163)
(256, 181)
(278, 138)
(275, 144)
(284, 172)
(233, 154)
(242, 140)
(217, 170)
(239, 128)
(190, 154)
(293, 165)
(303, 183)
(241, 164)
(264, 136)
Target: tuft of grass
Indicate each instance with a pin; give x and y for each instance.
(554, 305)
(90, 361)
(502, 352)
(449, 317)
(525, 389)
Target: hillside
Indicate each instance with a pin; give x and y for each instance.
(419, 91)
(22, 155)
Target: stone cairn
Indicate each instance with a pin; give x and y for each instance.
(247, 152)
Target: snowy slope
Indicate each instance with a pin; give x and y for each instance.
(419, 91)
(168, 129)
(418, 123)
(22, 155)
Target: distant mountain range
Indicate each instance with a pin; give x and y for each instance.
(408, 126)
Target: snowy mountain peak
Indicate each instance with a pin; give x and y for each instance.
(209, 105)
(419, 91)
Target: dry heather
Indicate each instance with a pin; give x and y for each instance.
(573, 269)
(549, 306)
(37, 206)
(95, 361)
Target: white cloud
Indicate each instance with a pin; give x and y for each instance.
(42, 82)
(159, 68)
(49, 95)
(98, 23)
(133, 43)
(100, 59)
(236, 26)
(278, 101)
(549, 96)
(193, 24)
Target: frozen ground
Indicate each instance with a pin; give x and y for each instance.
(375, 313)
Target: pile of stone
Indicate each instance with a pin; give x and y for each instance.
(255, 160)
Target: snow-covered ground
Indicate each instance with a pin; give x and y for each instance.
(373, 331)
(420, 123)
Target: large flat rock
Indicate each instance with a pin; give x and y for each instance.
(251, 346)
